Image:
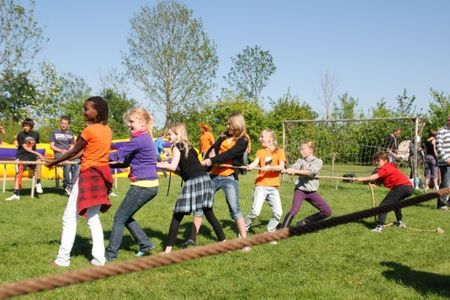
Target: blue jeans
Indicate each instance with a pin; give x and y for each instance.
(445, 182)
(70, 172)
(135, 198)
(230, 187)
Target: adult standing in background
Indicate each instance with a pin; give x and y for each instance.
(62, 140)
(443, 152)
(431, 170)
(391, 144)
(206, 139)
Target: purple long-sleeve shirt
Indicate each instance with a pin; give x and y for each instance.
(140, 153)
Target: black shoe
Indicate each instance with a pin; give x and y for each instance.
(145, 252)
(189, 242)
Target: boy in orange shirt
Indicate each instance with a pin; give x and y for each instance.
(271, 161)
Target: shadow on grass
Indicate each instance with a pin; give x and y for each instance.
(54, 190)
(423, 282)
(128, 242)
(258, 224)
(368, 224)
(47, 190)
(82, 247)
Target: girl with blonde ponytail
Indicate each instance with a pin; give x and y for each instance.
(197, 194)
(140, 154)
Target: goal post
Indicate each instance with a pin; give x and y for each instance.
(348, 145)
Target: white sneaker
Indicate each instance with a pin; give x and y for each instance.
(400, 224)
(378, 229)
(39, 188)
(96, 262)
(68, 190)
(13, 197)
(246, 249)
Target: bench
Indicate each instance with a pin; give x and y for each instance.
(9, 154)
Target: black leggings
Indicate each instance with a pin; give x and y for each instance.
(176, 220)
(395, 195)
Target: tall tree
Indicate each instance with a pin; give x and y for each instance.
(346, 108)
(439, 109)
(118, 104)
(250, 72)
(171, 57)
(288, 107)
(327, 88)
(405, 105)
(17, 95)
(20, 35)
(381, 110)
(55, 90)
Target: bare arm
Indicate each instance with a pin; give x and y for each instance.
(294, 171)
(279, 168)
(369, 178)
(57, 149)
(253, 164)
(30, 150)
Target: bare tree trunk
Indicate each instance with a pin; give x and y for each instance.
(327, 88)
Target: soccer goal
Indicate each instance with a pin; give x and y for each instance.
(347, 146)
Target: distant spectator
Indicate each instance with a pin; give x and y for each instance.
(62, 140)
(391, 144)
(206, 139)
(431, 170)
(443, 152)
(26, 151)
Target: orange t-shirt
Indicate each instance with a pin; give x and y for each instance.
(272, 158)
(224, 171)
(98, 138)
(206, 141)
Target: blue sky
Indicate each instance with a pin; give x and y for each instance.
(375, 48)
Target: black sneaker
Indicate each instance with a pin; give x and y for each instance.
(189, 242)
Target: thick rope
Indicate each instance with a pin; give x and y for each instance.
(40, 162)
(347, 179)
(35, 162)
(90, 274)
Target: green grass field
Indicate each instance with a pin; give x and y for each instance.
(345, 262)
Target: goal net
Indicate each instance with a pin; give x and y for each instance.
(347, 146)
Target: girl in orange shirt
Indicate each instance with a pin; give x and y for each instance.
(271, 161)
(90, 192)
(229, 149)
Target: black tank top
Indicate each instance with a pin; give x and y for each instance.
(189, 166)
(429, 148)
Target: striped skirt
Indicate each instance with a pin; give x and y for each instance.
(196, 194)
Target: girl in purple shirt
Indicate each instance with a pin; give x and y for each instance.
(140, 154)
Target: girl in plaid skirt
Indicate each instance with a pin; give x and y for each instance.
(197, 193)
